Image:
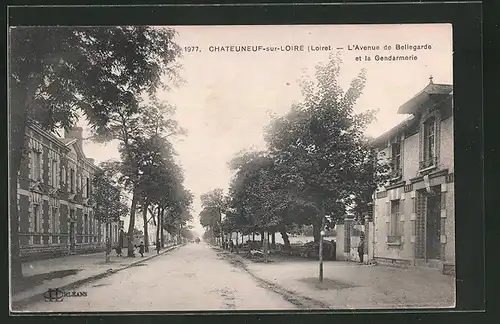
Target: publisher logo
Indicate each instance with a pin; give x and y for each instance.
(57, 295)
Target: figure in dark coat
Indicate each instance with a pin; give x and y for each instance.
(361, 249)
(141, 249)
(158, 247)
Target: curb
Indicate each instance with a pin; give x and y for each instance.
(301, 301)
(22, 303)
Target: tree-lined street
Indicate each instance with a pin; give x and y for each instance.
(197, 277)
(316, 169)
(188, 279)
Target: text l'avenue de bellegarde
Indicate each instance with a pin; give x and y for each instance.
(379, 53)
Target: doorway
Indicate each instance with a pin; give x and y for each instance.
(433, 230)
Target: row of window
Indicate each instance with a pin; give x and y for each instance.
(89, 225)
(428, 150)
(70, 176)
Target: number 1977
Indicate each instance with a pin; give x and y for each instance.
(192, 49)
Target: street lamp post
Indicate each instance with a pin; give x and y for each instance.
(265, 246)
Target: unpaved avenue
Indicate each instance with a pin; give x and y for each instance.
(189, 278)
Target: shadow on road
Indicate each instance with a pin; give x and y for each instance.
(327, 284)
(29, 282)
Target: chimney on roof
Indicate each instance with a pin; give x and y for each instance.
(75, 133)
(430, 79)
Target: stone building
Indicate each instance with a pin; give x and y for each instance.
(54, 187)
(414, 219)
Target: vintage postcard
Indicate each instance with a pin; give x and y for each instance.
(209, 168)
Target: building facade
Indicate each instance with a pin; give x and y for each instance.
(54, 189)
(414, 216)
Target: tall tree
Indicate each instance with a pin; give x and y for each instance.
(157, 176)
(107, 196)
(55, 72)
(261, 197)
(142, 136)
(321, 144)
(214, 204)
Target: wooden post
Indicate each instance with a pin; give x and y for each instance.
(265, 247)
(321, 243)
(162, 238)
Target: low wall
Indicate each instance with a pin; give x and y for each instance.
(33, 253)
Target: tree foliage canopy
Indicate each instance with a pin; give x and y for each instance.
(107, 195)
(61, 70)
(318, 163)
(57, 73)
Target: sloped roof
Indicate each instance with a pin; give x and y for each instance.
(73, 142)
(50, 135)
(413, 105)
(68, 141)
(393, 131)
(431, 93)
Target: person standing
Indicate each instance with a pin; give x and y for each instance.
(141, 249)
(361, 249)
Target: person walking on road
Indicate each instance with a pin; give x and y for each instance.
(141, 249)
(361, 249)
(158, 247)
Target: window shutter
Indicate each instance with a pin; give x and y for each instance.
(31, 216)
(50, 169)
(421, 144)
(388, 217)
(50, 217)
(58, 172)
(437, 138)
(401, 155)
(41, 167)
(30, 163)
(402, 210)
(40, 218)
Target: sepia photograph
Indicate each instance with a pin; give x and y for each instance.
(223, 168)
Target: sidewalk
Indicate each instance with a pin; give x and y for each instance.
(72, 270)
(349, 285)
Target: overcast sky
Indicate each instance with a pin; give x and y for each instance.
(226, 98)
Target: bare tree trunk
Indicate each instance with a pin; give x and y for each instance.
(317, 230)
(286, 239)
(21, 98)
(158, 224)
(15, 258)
(273, 240)
(131, 226)
(162, 238)
(108, 241)
(145, 220)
